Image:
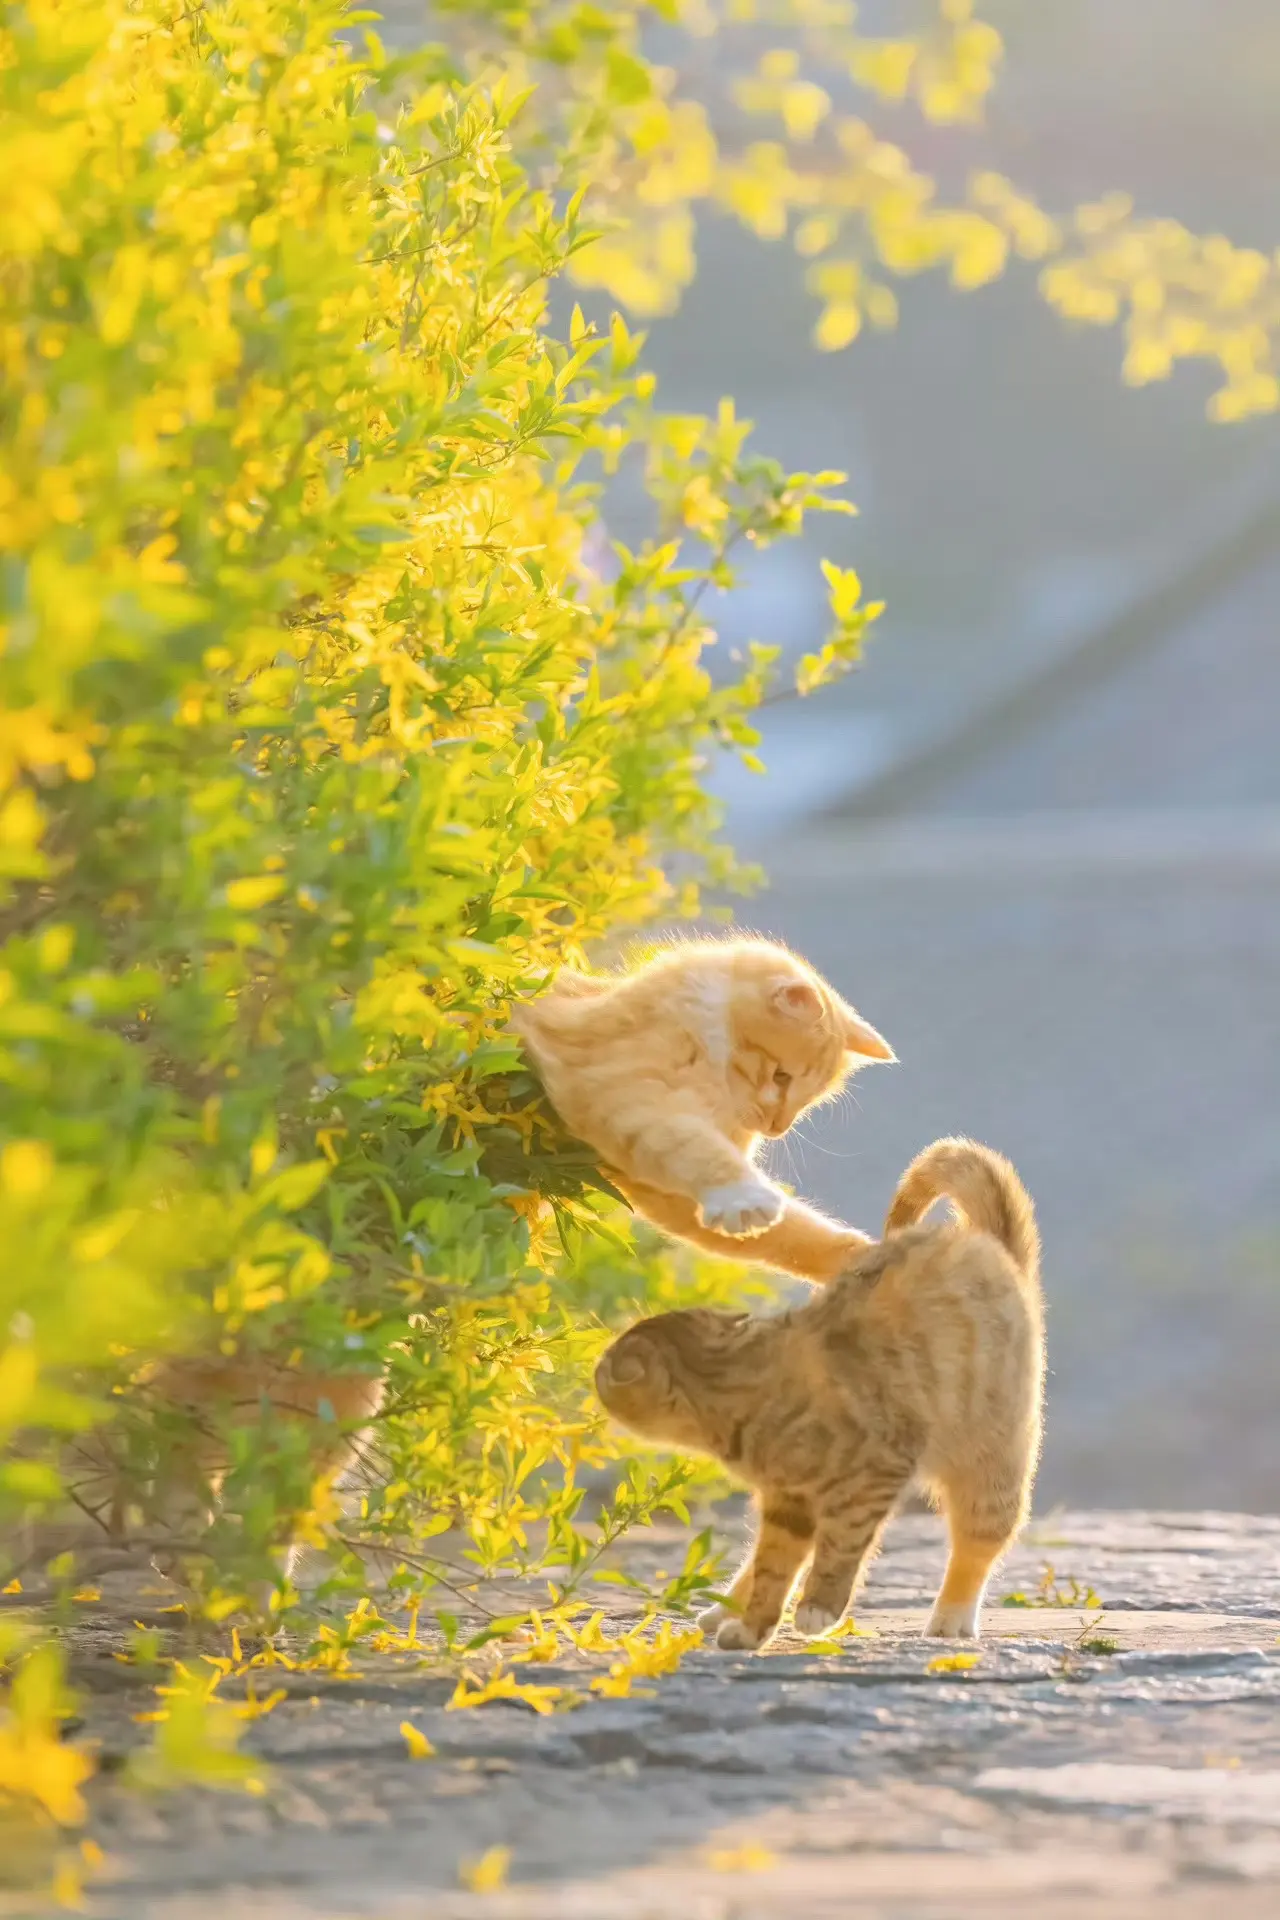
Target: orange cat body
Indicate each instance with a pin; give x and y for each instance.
(921, 1364)
(676, 1073)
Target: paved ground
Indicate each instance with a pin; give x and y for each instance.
(1102, 1785)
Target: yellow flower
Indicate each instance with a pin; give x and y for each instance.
(953, 1662)
(37, 1766)
(420, 1748)
(488, 1874)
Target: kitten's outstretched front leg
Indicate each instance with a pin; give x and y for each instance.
(686, 1155)
(803, 1242)
(782, 1547)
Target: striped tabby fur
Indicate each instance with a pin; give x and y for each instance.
(921, 1364)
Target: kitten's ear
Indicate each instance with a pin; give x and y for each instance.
(861, 1038)
(798, 1000)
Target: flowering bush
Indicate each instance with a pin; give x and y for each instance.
(324, 733)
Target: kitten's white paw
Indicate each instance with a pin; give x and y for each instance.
(735, 1636)
(812, 1620)
(747, 1207)
(713, 1617)
(953, 1620)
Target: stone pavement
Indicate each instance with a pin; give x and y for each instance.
(1103, 1763)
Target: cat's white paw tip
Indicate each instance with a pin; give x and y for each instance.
(746, 1207)
(953, 1621)
(735, 1636)
(812, 1620)
(713, 1618)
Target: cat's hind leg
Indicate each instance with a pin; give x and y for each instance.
(985, 1512)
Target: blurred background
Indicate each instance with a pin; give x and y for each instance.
(1036, 837)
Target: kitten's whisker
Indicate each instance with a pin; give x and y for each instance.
(835, 1153)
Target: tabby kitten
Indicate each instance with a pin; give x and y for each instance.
(675, 1074)
(922, 1363)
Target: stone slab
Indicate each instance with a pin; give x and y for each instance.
(1103, 1763)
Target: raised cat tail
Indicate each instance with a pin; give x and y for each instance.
(984, 1187)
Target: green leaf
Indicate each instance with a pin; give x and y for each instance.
(294, 1186)
(629, 78)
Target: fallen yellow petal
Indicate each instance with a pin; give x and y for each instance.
(953, 1662)
(488, 1873)
(748, 1859)
(420, 1748)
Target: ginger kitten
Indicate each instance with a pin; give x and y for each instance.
(922, 1363)
(676, 1073)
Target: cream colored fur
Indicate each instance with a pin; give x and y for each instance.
(677, 1073)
